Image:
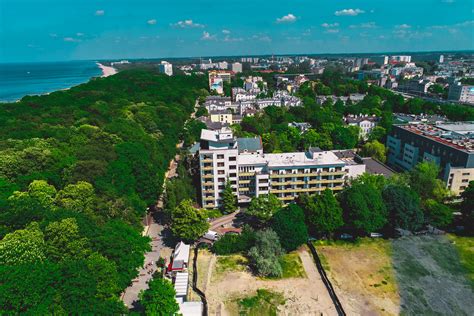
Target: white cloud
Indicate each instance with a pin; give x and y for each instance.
(367, 25)
(206, 36)
(331, 31)
(151, 22)
(99, 12)
(327, 25)
(403, 26)
(71, 39)
(187, 24)
(228, 38)
(289, 18)
(349, 12)
(79, 34)
(262, 38)
(226, 31)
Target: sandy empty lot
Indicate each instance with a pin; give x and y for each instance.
(362, 276)
(304, 296)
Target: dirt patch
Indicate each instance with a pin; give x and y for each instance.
(303, 295)
(431, 278)
(362, 276)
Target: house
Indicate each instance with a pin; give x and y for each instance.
(364, 122)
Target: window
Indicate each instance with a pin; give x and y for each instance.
(466, 174)
(220, 164)
(263, 181)
(232, 167)
(233, 175)
(220, 156)
(465, 180)
(221, 180)
(220, 172)
(232, 158)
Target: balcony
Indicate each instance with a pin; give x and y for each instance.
(207, 168)
(244, 181)
(244, 189)
(207, 160)
(207, 176)
(208, 198)
(246, 174)
(299, 175)
(208, 191)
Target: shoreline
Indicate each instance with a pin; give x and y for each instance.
(106, 70)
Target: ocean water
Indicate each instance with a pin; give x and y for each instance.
(20, 79)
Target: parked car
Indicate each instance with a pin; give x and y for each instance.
(376, 235)
(211, 235)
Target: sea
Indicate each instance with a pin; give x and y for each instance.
(20, 79)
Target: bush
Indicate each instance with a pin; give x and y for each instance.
(264, 255)
(231, 243)
(289, 224)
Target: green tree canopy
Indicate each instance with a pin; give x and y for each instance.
(229, 199)
(159, 299)
(23, 246)
(263, 207)
(424, 181)
(364, 208)
(374, 149)
(323, 212)
(264, 255)
(403, 206)
(467, 206)
(438, 214)
(187, 222)
(290, 227)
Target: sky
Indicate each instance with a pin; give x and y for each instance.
(58, 30)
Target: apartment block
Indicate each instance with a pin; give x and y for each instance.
(449, 145)
(251, 172)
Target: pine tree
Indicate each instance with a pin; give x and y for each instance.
(229, 200)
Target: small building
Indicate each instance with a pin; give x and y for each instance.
(180, 258)
(366, 123)
(165, 68)
(303, 127)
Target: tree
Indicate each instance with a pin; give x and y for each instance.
(403, 206)
(229, 200)
(187, 222)
(64, 241)
(77, 197)
(323, 213)
(290, 227)
(467, 205)
(264, 255)
(424, 180)
(438, 214)
(374, 149)
(232, 243)
(159, 299)
(364, 209)
(377, 133)
(23, 246)
(263, 207)
(124, 245)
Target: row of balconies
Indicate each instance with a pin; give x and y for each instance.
(274, 183)
(289, 175)
(305, 190)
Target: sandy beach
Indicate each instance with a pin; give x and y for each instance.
(107, 70)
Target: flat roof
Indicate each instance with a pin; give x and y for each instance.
(294, 159)
(249, 144)
(459, 136)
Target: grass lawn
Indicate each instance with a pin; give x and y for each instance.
(292, 266)
(465, 248)
(230, 263)
(265, 302)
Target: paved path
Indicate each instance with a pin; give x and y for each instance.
(223, 220)
(153, 230)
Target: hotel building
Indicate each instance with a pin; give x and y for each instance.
(241, 161)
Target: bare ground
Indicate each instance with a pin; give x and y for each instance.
(304, 296)
(362, 276)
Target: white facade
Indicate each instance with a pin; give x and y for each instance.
(241, 161)
(165, 68)
(461, 93)
(237, 67)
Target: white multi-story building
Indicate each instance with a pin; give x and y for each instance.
(401, 58)
(165, 68)
(237, 67)
(223, 65)
(241, 161)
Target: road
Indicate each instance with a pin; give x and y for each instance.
(153, 230)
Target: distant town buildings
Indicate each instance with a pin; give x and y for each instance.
(461, 93)
(366, 123)
(237, 67)
(400, 58)
(241, 161)
(448, 145)
(165, 68)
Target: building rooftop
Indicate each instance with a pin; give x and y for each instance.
(458, 135)
(249, 144)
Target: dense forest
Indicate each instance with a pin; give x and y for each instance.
(78, 169)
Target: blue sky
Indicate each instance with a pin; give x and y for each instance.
(54, 30)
